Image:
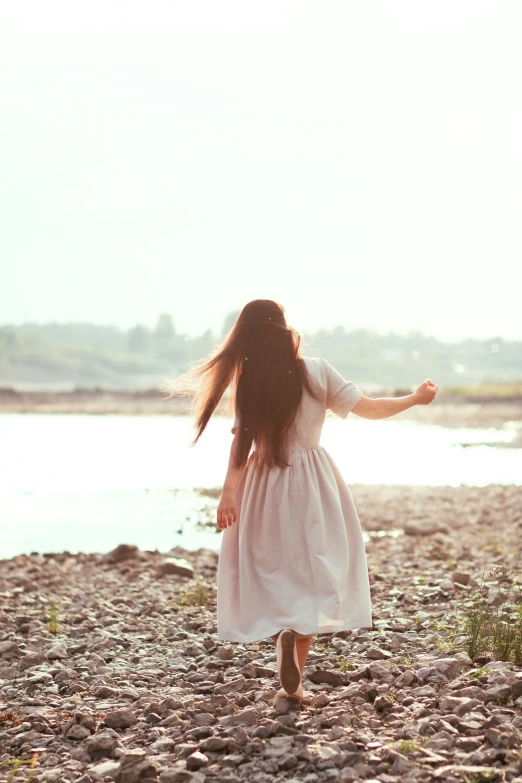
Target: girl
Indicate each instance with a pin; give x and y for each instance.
(292, 561)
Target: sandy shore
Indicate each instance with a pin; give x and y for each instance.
(110, 669)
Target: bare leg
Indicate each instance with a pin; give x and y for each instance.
(303, 648)
(302, 644)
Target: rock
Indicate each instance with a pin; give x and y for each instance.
(516, 689)
(320, 700)
(231, 686)
(449, 703)
(424, 527)
(57, 652)
(227, 654)
(9, 650)
(196, 760)
(401, 765)
(405, 679)
(178, 775)
(120, 719)
(381, 671)
(109, 768)
(172, 565)
(101, 745)
(329, 677)
(215, 744)
(136, 772)
(382, 704)
(247, 717)
(121, 553)
(497, 693)
(460, 577)
(347, 775)
(106, 693)
(78, 732)
(449, 667)
(287, 761)
(377, 654)
(31, 659)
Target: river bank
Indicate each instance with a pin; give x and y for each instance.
(449, 410)
(111, 670)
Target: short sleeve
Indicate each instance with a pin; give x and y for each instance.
(343, 395)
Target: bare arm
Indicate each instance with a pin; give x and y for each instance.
(226, 511)
(385, 407)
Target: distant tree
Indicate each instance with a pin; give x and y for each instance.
(165, 328)
(165, 343)
(139, 339)
(229, 322)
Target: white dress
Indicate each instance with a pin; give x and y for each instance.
(295, 557)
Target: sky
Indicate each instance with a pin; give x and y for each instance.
(360, 162)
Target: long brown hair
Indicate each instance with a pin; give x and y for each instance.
(260, 361)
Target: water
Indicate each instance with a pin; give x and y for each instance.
(88, 483)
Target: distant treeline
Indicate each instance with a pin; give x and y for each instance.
(83, 354)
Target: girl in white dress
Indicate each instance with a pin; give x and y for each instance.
(292, 561)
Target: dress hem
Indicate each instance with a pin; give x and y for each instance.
(308, 632)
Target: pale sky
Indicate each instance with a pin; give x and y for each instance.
(358, 160)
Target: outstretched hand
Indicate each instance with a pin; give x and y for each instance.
(426, 392)
(226, 512)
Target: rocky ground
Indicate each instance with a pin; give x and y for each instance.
(110, 669)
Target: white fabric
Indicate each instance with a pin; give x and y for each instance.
(295, 557)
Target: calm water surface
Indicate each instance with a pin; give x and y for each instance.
(88, 483)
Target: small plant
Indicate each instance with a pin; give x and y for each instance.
(343, 664)
(493, 617)
(197, 594)
(390, 697)
(408, 745)
(407, 660)
(52, 622)
(482, 671)
(17, 764)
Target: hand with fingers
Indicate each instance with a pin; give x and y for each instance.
(226, 511)
(426, 392)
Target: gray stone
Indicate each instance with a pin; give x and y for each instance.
(174, 566)
(215, 744)
(120, 719)
(235, 685)
(196, 760)
(78, 732)
(424, 527)
(247, 717)
(401, 765)
(516, 689)
(107, 693)
(121, 553)
(135, 772)
(101, 745)
(497, 693)
(56, 652)
(177, 774)
(31, 659)
(106, 768)
(460, 577)
(377, 654)
(329, 677)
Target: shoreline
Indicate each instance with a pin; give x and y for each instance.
(446, 410)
